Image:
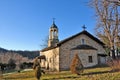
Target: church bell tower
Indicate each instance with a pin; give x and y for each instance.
(53, 35)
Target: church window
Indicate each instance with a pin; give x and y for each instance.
(83, 41)
(54, 33)
(90, 60)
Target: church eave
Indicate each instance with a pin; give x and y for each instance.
(83, 32)
(48, 48)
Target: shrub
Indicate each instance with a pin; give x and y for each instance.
(25, 65)
(76, 65)
(0, 73)
(114, 64)
(21, 66)
(11, 63)
(3, 66)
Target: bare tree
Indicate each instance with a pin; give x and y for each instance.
(108, 21)
(45, 42)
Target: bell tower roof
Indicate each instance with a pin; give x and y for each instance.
(53, 25)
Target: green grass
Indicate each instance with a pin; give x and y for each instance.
(88, 74)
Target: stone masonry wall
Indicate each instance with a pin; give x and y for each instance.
(52, 59)
(65, 49)
(83, 55)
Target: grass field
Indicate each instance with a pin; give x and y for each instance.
(88, 74)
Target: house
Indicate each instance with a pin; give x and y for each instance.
(59, 54)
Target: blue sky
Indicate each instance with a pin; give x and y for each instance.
(24, 24)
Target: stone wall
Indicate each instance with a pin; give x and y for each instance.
(65, 50)
(83, 55)
(52, 59)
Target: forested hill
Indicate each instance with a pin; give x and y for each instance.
(29, 54)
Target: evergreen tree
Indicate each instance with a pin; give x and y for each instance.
(76, 65)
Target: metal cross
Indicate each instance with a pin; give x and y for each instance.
(84, 27)
(53, 20)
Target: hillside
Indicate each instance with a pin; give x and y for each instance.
(17, 56)
(29, 54)
(3, 50)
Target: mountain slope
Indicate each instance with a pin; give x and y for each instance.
(29, 54)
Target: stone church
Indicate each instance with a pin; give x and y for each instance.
(59, 54)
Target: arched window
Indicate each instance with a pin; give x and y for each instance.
(54, 33)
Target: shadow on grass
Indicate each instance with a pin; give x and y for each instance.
(67, 77)
(93, 73)
(79, 76)
(99, 72)
(14, 78)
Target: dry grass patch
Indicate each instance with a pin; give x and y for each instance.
(89, 74)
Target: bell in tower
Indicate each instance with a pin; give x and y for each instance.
(53, 35)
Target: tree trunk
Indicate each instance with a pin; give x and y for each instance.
(113, 52)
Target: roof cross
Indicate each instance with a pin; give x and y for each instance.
(84, 27)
